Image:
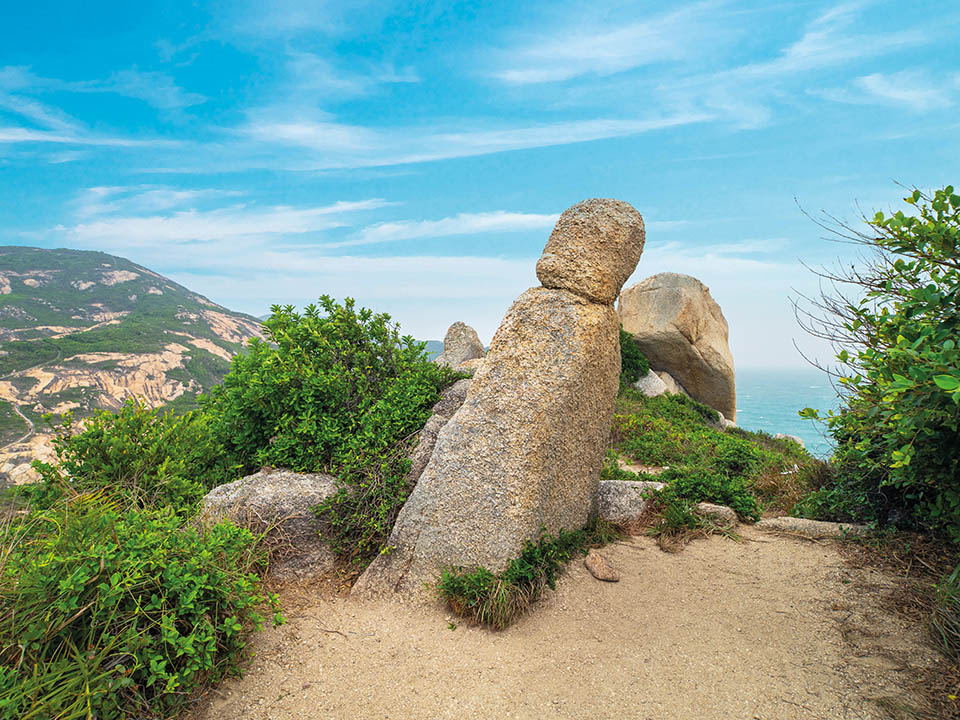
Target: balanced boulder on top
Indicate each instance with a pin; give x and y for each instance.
(524, 451)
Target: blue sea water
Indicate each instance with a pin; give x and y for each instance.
(769, 400)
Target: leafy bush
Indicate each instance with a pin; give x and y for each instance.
(897, 458)
(109, 613)
(633, 363)
(147, 457)
(707, 485)
(497, 600)
(334, 390)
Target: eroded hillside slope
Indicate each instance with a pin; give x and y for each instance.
(84, 330)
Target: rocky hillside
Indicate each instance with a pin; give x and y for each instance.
(84, 330)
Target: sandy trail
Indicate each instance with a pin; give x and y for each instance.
(772, 628)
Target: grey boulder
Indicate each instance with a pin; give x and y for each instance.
(280, 503)
(460, 344)
(681, 329)
(623, 502)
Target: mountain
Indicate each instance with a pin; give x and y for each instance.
(83, 330)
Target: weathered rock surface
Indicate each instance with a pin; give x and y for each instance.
(622, 502)
(593, 249)
(670, 384)
(796, 438)
(469, 365)
(651, 384)
(450, 401)
(813, 528)
(720, 514)
(524, 451)
(460, 344)
(281, 502)
(600, 567)
(682, 331)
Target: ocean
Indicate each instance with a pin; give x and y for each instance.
(769, 400)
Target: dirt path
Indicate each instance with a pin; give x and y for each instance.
(773, 628)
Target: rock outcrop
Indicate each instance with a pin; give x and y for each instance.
(813, 528)
(682, 331)
(461, 343)
(281, 503)
(450, 401)
(623, 502)
(525, 449)
(651, 384)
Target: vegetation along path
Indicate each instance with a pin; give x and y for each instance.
(774, 628)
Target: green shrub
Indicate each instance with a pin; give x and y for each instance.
(898, 459)
(497, 600)
(109, 613)
(149, 458)
(733, 467)
(334, 390)
(633, 363)
(707, 485)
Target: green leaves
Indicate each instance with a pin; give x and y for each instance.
(335, 389)
(127, 612)
(947, 382)
(897, 452)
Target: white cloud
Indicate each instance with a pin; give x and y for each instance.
(912, 89)
(578, 49)
(224, 226)
(28, 135)
(310, 72)
(335, 145)
(462, 224)
(155, 88)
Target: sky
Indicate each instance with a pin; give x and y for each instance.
(416, 155)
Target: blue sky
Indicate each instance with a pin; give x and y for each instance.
(415, 155)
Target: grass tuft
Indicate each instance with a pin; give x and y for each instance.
(497, 600)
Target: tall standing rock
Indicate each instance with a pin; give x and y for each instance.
(525, 449)
(681, 329)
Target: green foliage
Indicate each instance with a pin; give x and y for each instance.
(633, 363)
(678, 523)
(145, 457)
(706, 484)
(945, 621)
(898, 457)
(734, 468)
(114, 614)
(498, 600)
(12, 426)
(334, 390)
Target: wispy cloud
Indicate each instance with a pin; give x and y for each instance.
(911, 89)
(462, 224)
(584, 49)
(222, 225)
(157, 89)
(744, 93)
(28, 135)
(313, 73)
(333, 145)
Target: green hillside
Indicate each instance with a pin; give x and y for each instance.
(83, 330)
